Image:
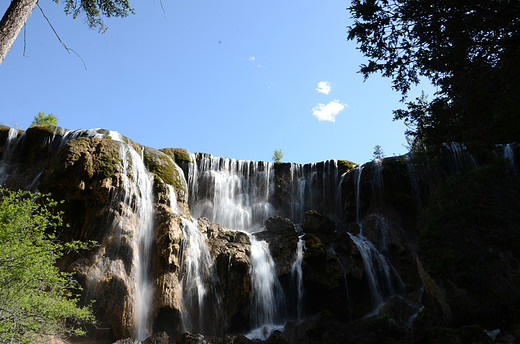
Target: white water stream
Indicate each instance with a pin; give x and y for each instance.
(138, 197)
(379, 272)
(297, 276)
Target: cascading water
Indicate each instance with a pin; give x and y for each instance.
(310, 192)
(11, 143)
(380, 274)
(138, 193)
(509, 155)
(15, 142)
(268, 298)
(357, 188)
(233, 193)
(460, 157)
(135, 221)
(297, 276)
(198, 275)
(237, 194)
(377, 269)
(298, 187)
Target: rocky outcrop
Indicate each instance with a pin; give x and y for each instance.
(444, 227)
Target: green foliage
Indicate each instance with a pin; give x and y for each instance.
(42, 119)
(378, 152)
(36, 299)
(469, 223)
(277, 155)
(467, 49)
(96, 10)
(347, 164)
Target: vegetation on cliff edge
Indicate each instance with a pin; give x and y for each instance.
(36, 299)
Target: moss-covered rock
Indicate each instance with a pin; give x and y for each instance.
(347, 165)
(95, 157)
(178, 154)
(164, 167)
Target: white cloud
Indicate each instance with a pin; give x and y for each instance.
(329, 111)
(252, 58)
(323, 87)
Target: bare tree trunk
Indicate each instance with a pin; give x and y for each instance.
(12, 22)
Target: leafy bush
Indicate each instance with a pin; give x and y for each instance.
(277, 155)
(42, 119)
(36, 299)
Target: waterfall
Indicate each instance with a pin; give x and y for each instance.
(52, 144)
(460, 157)
(298, 186)
(197, 277)
(197, 271)
(268, 298)
(379, 272)
(233, 193)
(11, 143)
(307, 191)
(357, 186)
(139, 194)
(297, 276)
(377, 179)
(377, 269)
(509, 155)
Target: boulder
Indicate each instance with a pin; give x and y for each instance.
(278, 224)
(314, 222)
(158, 338)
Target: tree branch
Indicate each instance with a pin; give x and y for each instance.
(59, 39)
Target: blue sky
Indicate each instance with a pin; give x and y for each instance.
(234, 78)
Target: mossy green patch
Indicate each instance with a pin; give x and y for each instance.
(164, 167)
(97, 157)
(49, 129)
(178, 154)
(347, 164)
(106, 165)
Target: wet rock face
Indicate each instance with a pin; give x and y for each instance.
(314, 222)
(89, 175)
(231, 253)
(278, 224)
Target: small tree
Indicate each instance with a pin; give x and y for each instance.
(36, 299)
(378, 152)
(42, 119)
(277, 155)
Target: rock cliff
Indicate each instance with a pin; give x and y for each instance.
(193, 248)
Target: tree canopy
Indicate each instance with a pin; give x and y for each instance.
(36, 299)
(277, 155)
(469, 49)
(42, 119)
(94, 10)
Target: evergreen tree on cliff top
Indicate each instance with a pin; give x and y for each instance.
(469, 49)
(36, 299)
(94, 10)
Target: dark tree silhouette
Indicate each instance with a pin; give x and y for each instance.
(469, 49)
